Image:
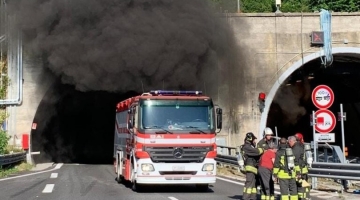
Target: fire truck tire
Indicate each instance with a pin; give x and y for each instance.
(202, 187)
(119, 177)
(138, 187)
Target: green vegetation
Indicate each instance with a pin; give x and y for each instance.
(4, 81)
(5, 148)
(267, 6)
(11, 169)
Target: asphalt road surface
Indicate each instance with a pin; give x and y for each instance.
(97, 182)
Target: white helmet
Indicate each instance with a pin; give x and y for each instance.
(268, 131)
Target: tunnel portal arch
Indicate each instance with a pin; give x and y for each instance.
(271, 95)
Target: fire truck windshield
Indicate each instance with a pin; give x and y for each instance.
(180, 116)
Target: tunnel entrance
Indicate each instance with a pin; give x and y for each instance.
(292, 105)
(74, 126)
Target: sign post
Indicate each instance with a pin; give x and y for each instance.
(342, 131)
(314, 133)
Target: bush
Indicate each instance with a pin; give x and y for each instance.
(4, 139)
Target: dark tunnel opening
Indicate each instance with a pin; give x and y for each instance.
(292, 106)
(74, 126)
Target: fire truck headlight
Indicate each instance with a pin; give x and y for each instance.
(147, 168)
(208, 167)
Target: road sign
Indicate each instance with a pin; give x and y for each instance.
(34, 125)
(325, 137)
(343, 116)
(325, 121)
(322, 96)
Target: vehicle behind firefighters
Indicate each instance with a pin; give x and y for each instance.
(166, 137)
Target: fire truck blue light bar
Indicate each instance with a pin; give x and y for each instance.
(172, 92)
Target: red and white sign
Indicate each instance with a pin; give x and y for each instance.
(34, 125)
(322, 96)
(325, 121)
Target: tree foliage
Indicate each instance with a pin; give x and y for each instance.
(4, 81)
(266, 6)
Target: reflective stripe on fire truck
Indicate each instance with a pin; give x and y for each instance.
(175, 141)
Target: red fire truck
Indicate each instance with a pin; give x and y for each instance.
(166, 137)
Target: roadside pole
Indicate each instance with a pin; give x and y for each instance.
(342, 131)
(314, 179)
(276, 134)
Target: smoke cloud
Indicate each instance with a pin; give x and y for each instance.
(118, 46)
(290, 99)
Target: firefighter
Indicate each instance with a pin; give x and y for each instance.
(252, 156)
(303, 191)
(268, 138)
(266, 165)
(284, 171)
(264, 143)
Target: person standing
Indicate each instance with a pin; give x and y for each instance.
(268, 138)
(252, 156)
(303, 192)
(285, 172)
(266, 165)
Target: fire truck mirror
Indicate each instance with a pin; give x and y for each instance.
(219, 118)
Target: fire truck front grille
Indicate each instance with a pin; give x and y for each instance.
(177, 154)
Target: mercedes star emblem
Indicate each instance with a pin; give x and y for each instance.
(178, 152)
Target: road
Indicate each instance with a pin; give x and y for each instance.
(97, 182)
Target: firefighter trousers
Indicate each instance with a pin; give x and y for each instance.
(267, 184)
(250, 192)
(303, 192)
(288, 189)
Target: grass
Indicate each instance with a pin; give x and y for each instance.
(12, 169)
(228, 171)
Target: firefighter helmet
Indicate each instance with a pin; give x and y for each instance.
(299, 137)
(268, 131)
(250, 136)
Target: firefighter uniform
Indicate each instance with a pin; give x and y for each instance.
(287, 181)
(299, 153)
(252, 156)
(264, 143)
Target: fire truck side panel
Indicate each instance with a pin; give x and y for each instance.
(121, 139)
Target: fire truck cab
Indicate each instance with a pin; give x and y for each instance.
(166, 137)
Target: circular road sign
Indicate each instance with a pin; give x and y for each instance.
(325, 121)
(322, 96)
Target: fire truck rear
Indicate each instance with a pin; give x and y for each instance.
(166, 137)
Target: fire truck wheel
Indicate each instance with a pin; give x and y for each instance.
(202, 187)
(138, 187)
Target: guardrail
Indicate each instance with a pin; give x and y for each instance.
(12, 158)
(335, 171)
(227, 155)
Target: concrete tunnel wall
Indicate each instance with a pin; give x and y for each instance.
(271, 94)
(270, 45)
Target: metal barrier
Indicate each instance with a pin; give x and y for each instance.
(12, 158)
(228, 158)
(335, 171)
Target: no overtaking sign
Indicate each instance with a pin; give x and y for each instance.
(322, 97)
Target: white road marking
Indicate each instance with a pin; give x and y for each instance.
(54, 175)
(48, 188)
(237, 183)
(25, 175)
(173, 198)
(58, 166)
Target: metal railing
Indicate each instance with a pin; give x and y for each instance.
(330, 166)
(227, 155)
(335, 171)
(12, 158)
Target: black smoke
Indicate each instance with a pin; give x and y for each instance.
(122, 45)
